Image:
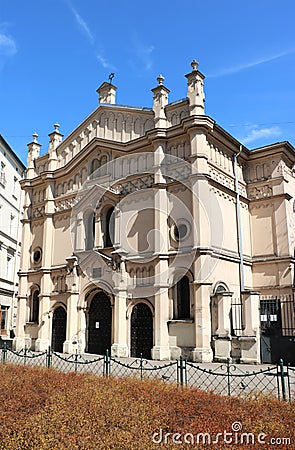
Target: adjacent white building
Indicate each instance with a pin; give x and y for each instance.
(11, 171)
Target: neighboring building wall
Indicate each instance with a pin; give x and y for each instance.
(11, 172)
(88, 287)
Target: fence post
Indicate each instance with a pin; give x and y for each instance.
(107, 362)
(141, 366)
(25, 355)
(182, 369)
(48, 357)
(228, 376)
(282, 374)
(4, 352)
(76, 361)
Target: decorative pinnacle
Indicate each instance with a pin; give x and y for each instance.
(35, 137)
(160, 79)
(194, 64)
(56, 127)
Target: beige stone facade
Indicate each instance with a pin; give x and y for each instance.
(154, 232)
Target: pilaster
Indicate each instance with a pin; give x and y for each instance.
(202, 319)
(250, 339)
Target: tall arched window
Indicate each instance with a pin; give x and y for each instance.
(109, 228)
(182, 303)
(95, 165)
(34, 316)
(89, 230)
(103, 161)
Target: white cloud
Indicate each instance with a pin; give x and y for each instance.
(142, 52)
(104, 62)
(83, 26)
(248, 65)
(259, 133)
(7, 45)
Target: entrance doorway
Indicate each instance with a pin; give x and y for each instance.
(59, 329)
(277, 329)
(100, 324)
(141, 331)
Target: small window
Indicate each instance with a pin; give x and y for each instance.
(2, 174)
(180, 232)
(35, 307)
(90, 231)
(109, 228)
(182, 301)
(3, 320)
(37, 255)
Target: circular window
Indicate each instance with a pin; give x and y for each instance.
(37, 255)
(180, 231)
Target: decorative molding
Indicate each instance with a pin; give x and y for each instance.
(64, 204)
(259, 192)
(136, 184)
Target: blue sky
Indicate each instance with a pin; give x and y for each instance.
(55, 53)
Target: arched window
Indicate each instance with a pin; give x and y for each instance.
(95, 165)
(109, 228)
(182, 301)
(89, 225)
(103, 161)
(35, 306)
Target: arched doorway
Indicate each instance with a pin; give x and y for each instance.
(100, 324)
(59, 328)
(141, 331)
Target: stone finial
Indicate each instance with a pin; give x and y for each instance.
(160, 79)
(194, 64)
(107, 93)
(33, 153)
(160, 101)
(55, 139)
(195, 91)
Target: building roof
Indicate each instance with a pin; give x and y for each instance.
(11, 153)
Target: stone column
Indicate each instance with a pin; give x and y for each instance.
(44, 334)
(20, 341)
(161, 350)
(250, 339)
(223, 332)
(202, 319)
(81, 334)
(70, 344)
(45, 316)
(120, 347)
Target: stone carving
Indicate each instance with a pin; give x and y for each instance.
(259, 192)
(135, 185)
(64, 204)
(176, 114)
(226, 181)
(38, 211)
(179, 149)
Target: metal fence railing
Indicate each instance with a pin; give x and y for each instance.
(225, 379)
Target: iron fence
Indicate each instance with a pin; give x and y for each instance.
(225, 379)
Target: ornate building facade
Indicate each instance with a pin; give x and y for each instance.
(155, 232)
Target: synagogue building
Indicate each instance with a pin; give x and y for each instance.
(154, 232)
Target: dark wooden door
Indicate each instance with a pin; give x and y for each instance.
(100, 324)
(141, 331)
(59, 329)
